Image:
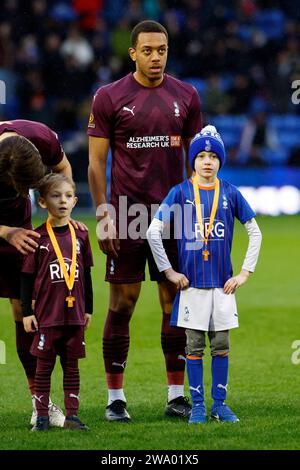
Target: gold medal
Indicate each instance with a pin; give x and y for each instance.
(69, 279)
(205, 252)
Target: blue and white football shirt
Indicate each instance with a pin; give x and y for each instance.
(218, 269)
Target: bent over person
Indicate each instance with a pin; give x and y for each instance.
(147, 118)
(26, 148)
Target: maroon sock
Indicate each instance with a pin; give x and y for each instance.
(42, 384)
(71, 385)
(23, 342)
(115, 347)
(173, 341)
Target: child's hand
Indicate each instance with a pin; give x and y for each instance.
(236, 281)
(177, 278)
(88, 319)
(30, 324)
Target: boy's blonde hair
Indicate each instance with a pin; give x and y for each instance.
(53, 179)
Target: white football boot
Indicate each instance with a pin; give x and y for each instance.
(56, 416)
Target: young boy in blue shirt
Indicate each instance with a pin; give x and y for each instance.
(203, 209)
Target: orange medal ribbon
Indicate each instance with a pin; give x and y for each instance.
(70, 279)
(205, 252)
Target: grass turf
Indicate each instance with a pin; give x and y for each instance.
(263, 381)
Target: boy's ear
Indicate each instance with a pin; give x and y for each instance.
(42, 202)
(75, 201)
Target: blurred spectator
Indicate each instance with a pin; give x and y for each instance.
(215, 100)
(257, 134)
(240, 94)
(120, 39)
(53, 55)
(88, 11)
(233, 159)
(77, 47)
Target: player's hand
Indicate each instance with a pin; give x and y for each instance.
(107, 237)
(235, 282)
(88, 319)
(79, 225)
(30, 324)
(178, 279)
(22, 239)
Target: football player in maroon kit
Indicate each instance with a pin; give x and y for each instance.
(147, 118)
(58, 277)
(26, 148)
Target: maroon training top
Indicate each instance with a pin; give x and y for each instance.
(50, 289)
(145, 127)
(15, 211)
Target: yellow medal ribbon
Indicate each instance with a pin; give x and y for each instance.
(70, 279)
(205, 252)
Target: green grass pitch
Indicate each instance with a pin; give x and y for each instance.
(263, 388)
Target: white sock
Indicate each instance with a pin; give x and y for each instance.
(175, 391)
(115, 394)
(33, 402)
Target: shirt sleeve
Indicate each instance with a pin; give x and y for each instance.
(56, 150)
(193, 122)
(101, 117)
(167, 208)
(27, 284)
(243, 211)
(88, 257)
(88, 291)
(154, 236)
(30, 263)
(255, 238)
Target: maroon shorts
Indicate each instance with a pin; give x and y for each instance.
(129, 267)
(65, 341)
(10, 271)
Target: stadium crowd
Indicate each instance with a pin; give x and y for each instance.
(241, 56)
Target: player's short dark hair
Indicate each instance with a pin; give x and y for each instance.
(51, 180)
(147, 26)
(20, 163)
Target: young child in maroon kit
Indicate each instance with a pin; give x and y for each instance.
(58, 277)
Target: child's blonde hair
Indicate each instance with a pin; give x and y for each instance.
(53, 179)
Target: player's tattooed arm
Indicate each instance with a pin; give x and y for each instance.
(21, 238)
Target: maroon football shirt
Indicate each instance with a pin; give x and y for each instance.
(50, 289)
(15, 211)
(145, 127)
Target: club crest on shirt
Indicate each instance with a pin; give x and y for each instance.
(186, 315)
(77, 246)
(176, 109)
(41, 342)
(112, 267)
(225, 202)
